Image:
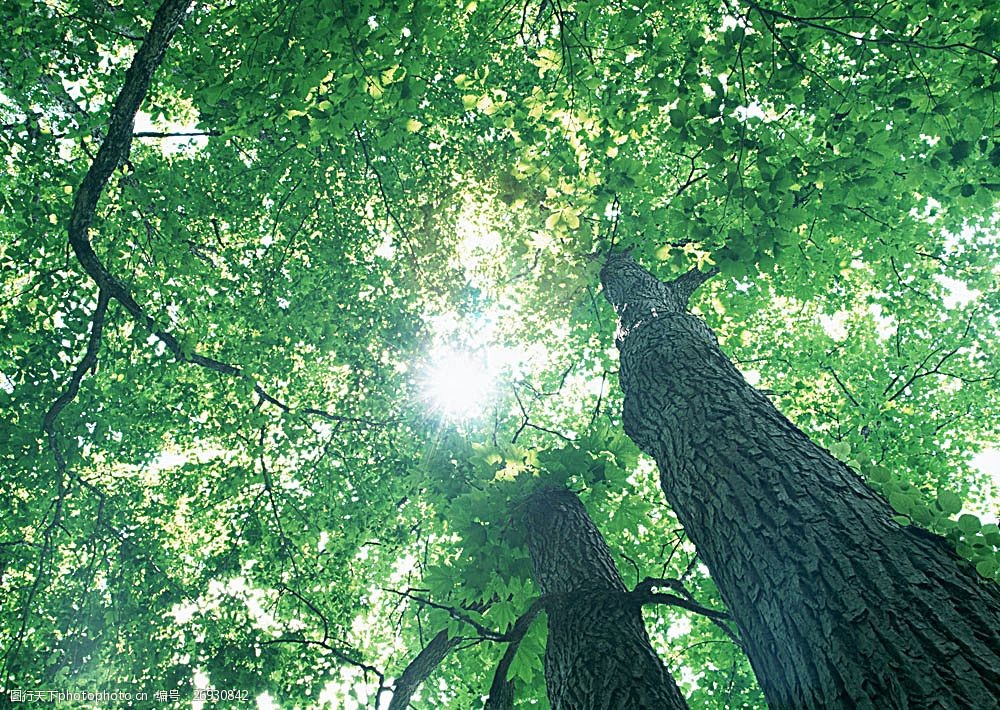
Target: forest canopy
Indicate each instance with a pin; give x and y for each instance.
(301, 307)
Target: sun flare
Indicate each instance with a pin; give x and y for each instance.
(459, 384)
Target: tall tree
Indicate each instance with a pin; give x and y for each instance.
(841, 605)
(597, 654)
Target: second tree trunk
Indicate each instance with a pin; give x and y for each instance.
(598, 656)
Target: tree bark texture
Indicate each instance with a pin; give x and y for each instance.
(598, 655)
(839, 606)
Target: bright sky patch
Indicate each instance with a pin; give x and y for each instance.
(459, 383)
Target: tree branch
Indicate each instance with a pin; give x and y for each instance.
(815, 23)
(501, 691)
(484, 631)
(336, 653)
(686, 284)
(843, 386)
(176, 134)
(89, 362)
(422, 665)
(644, 594)
(113, 151)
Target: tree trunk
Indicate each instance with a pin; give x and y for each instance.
(838, 605)
(598, 654)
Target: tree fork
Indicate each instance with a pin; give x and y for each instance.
(837, 604)
(597, 654)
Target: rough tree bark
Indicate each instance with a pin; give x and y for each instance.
(838, 605)
(597, 654)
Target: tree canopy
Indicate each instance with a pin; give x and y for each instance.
(300, 302)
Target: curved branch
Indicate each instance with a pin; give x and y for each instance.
(89, 362)
(113, 152)
(338, 654)
(116, 145)
(815, 23)
(644, 594)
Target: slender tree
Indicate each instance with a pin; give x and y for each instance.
(841, 606)
(598, 654)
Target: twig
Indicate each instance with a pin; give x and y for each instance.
(458, 615)
(843, 387)
(860, 38)
(336, 653)
(175, 134)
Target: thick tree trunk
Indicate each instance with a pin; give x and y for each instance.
(838, 605)
(598, 654)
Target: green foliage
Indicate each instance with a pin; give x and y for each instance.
(371, 174)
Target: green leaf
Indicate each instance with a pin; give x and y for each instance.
(879, 474)
(841, 450)
(961, 150)
(949, 503)
(921, 513)
(901, 502)
(381, 185)
(987, 568)
(968, 523)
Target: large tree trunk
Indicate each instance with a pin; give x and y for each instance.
(598, 654)
(838, 605)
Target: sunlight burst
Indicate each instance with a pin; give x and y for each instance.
(459, 384)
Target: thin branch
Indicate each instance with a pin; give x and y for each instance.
(457, 614)
(336, 653)
(860, 38)
(600, 398)
(286, 544)
(692, 178)
(89, 362)
(175, 134)
(114, 150)
(643, 594)
(550, 393)
(921, 371)
(526, 421)
(903, 283)
(385, 198)
(680, 536)
(843, 387)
